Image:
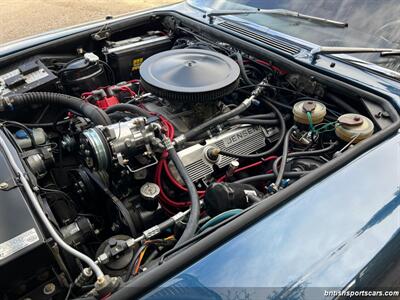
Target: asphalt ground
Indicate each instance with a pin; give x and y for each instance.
(23, 18)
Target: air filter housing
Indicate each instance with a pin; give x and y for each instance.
(189, 75)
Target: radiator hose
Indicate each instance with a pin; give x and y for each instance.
(92, 112)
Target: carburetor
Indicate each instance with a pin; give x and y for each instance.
(121, 144)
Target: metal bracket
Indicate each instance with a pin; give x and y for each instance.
(9, 184)
(102, 34)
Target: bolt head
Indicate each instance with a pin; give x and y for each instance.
(3, 185)
(49, 288)
(100, 281)
(112, 242)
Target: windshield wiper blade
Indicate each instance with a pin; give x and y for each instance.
(343, 50)
(279, 12)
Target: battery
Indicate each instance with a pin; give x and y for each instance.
(126, 56)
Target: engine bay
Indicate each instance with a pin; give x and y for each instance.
(136, 146)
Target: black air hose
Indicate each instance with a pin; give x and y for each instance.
(264, 177)
(129, 108)
(239, 60)
(223, 117)
(302, 153)
(255, 121)
(194, 216)
(213, 122)
(267, 116)
(274, 147)
(342, 104)
(95, 114)
(284, 156)
(252, 121)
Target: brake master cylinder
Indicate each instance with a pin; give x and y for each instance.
(304, 109)
(354, 128)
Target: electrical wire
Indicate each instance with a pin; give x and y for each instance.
(139, 261)
(256, 164)
(133, 261)
(109, 70)
(21, 126)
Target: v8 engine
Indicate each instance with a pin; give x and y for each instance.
(137, 145)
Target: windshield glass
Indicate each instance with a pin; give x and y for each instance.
(372, 23)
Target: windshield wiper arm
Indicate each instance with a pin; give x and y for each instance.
(343, 50)
(279, 12)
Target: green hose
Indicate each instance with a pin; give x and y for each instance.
(221, 217)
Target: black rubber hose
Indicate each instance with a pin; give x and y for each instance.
(273, 148)
(257, 121)
(129, 108)
(264, 177)
(284, 156)
(267, 116)
(38, 125)
(214, 121)
(342, 104)
(194, 215)
(95, 114)
(252, 121)
(302, 153)
(239, 60)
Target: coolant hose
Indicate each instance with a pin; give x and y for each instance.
(214, 121)
(194, 215)
(95, 114)
(129, 108)
(219, 218)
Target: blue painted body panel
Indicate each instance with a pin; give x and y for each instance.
(331, 236)
(322, 238)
